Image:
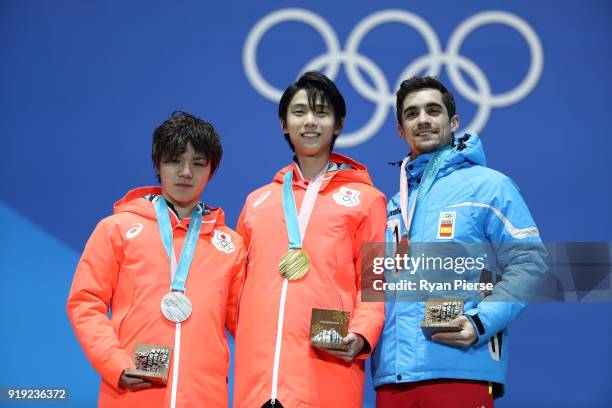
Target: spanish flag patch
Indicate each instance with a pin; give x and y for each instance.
(446, 225)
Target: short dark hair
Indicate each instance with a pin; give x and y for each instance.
(417, 83)
(170, 140)
(319, 88)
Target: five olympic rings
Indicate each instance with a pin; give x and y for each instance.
(381, 94)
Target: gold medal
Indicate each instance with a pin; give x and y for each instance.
(294, 264)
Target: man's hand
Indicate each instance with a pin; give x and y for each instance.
(355, 342)
(463, 338)
(133, 383)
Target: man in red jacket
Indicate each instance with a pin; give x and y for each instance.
(170, 271)
(339, 209)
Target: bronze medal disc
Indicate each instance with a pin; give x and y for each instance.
(294, 264)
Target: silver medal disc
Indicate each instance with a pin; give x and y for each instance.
(176, 307)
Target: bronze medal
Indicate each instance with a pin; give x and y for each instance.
(294, 264)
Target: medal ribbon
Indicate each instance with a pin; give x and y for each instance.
(165, 230)
(431, 172)
(296, 226)
(296, 229)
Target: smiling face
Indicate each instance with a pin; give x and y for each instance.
(311, 130)
(425, 124)
(184, 177)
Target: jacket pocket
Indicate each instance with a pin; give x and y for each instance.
(122, 303)
(222, 300)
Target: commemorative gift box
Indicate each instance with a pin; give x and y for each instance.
(152, 363)
(328, 328)
(439, 313)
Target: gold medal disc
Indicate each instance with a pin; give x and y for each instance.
(294, 264)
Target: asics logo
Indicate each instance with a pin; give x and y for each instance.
(134, 230)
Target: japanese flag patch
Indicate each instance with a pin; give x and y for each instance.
(446, 225)
(347, 197)
(223, 241)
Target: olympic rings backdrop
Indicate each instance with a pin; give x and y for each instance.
(83, 85)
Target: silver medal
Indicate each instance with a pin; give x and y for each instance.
(176, 307)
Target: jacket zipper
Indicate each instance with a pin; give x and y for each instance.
(279, 340)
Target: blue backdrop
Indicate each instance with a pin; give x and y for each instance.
(83, 84)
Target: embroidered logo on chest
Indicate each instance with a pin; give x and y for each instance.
(446, 225)
(133, 231)
(347, 197)
(223, 241)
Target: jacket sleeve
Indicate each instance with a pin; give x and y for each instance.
(241, 227)
(235, 289)
(88, 304)
(369, 311)
(521, 256)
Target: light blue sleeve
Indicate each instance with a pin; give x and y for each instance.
(511, 231)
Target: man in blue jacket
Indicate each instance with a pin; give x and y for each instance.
(448, 196)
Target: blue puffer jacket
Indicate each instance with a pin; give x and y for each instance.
(467, 203)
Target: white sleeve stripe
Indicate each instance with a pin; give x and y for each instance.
(518, 233)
